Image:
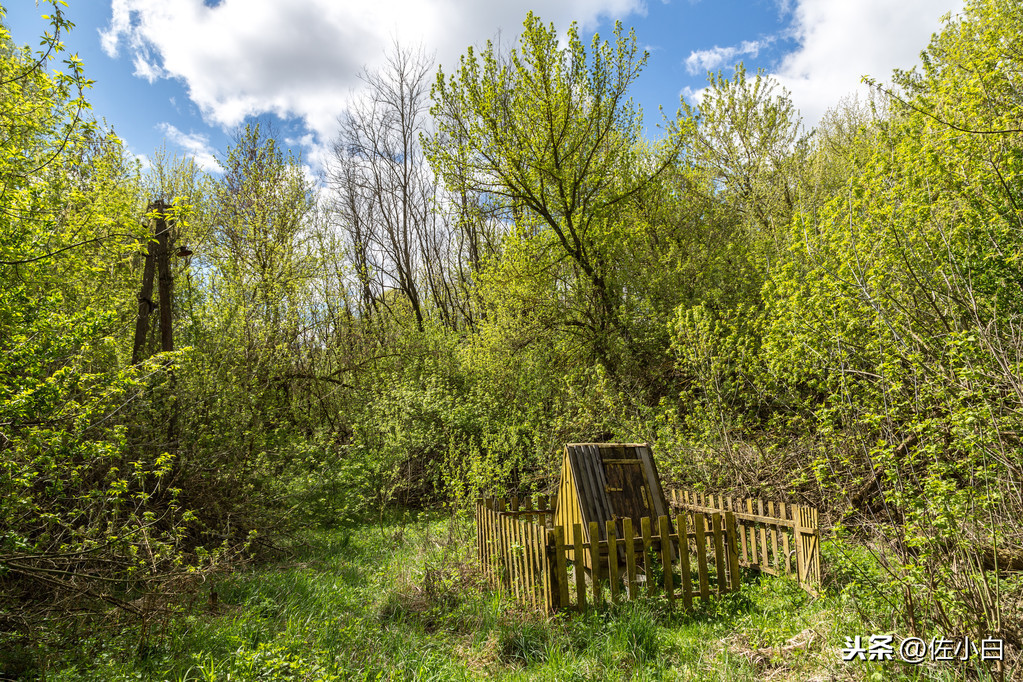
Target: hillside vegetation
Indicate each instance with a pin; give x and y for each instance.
(496, 262)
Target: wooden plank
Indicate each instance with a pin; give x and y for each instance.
(570, 496)
(534, 561)
(542, 539)
(502, 544)
(528, 574)
(515, 570)
(644, 525)
(528, 552)
(513, 563)
(518, 559)
(742, 540)
(525, 577)
(579, 567)
(499, 555)
(479, 536)
(653, 479)
(735, 578)
(664, 532)
(800, 550)
(774, 537)
(560, 567)
(594, 554)
(612, 559)
(630, 557)
(764, 563)
(602, 506)
(509, 575)
(497, 550)
(701, 555)
(690, 501)
(583, 484)
(481, 521)
(786, 510)
(683, 549)
(719, 554)
(811, 542)
(527, 567)
(754, 555)
(491, 545)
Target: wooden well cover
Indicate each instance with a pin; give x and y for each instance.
(607, 481)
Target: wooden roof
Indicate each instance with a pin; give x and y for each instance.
(607, 481)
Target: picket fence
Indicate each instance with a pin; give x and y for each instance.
(774, 537)
(523, 553)
(532, 561)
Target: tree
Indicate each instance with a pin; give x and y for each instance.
(82, 507)
(897, 317)
(384, 193)
(551, 132)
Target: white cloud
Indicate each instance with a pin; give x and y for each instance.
(701, 61)
(842, 40)
(195, 145)
(302, 58)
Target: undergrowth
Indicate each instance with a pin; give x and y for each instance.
(402, 601)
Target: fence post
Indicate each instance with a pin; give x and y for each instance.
(612, 559)
(595, 562)
(719, 553)
(543, 547)
(644, 525)
(809, 545)
(733, 551)
(683, 554)
(664, 532)
(701, 554)
(774, 537)
(786, 510)
(560, 569)
(579, 567)
(797, 531)
(481, 537)
(630, 556)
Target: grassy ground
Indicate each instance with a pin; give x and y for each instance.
(402, 602)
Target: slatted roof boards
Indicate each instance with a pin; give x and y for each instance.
(605, 481)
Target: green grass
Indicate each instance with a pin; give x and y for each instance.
(403, 602)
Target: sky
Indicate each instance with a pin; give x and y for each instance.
(186, 74)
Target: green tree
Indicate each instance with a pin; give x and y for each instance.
(81, 508)
(551, 133)
(897, 319)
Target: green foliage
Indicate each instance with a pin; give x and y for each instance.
(894, 320)
(84, 513)
(831, 316)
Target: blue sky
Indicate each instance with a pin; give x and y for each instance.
(187, 73)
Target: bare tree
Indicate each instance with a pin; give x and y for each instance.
(383, 190)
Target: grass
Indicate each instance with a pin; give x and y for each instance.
(402, 601)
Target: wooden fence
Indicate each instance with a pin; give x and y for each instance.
(772, 537)
(695, 557)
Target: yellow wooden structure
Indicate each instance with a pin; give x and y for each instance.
(603, 482)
